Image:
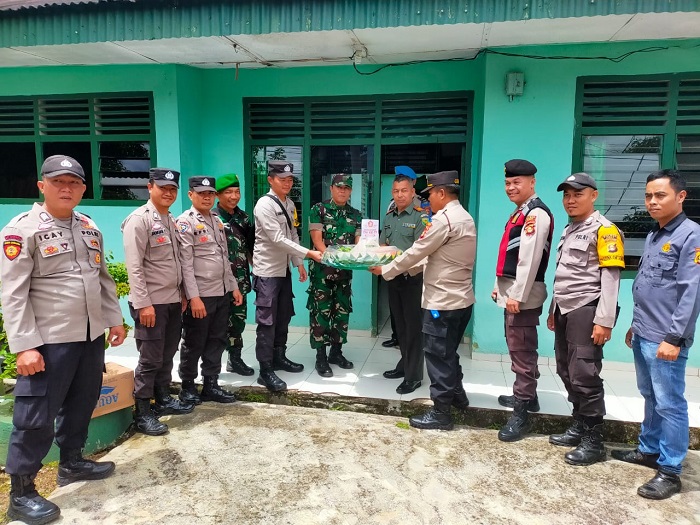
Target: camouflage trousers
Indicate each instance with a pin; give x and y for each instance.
(236, 324)
(329, 306)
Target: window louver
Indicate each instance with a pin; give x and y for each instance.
(625, 103)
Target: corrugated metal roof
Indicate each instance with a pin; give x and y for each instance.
(14, 5)
(81, 21)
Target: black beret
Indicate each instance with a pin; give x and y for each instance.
(519, 167)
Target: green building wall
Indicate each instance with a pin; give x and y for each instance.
(199, 130)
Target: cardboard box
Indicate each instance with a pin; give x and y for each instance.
(117, 389)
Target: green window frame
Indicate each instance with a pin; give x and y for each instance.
(628, 126)
(112, 133)
(362, 120)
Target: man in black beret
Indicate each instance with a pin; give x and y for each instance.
(520, 290)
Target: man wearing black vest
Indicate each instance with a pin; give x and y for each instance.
(522, 262)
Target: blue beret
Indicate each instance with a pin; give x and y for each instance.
(405, 171)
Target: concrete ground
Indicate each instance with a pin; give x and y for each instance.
(253, 463)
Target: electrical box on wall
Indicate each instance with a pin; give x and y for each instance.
(515, 83)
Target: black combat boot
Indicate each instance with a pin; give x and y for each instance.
(26, 504)
(166, 404)
(188, 393)
(269, 379)
(145, 421)
(572, 436)
(211, 391)
(460, 400)
(533, 405)
(280, 361)
(322, 363)
(518, 425)
(74, 467)
(662, 486)
(234, 363)
(590, 450)
(336, 357)
(437, 418)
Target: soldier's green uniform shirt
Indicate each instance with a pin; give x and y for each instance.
(239, 236)
(402, 229)
(339, 225)
(329, 290)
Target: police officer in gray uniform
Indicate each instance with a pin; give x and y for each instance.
(590, 256)
(57, 299)
(208, 283)
(449, 243)
(156, 301)
(276, 245)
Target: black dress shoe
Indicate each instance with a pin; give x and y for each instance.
(390, 343)
(661, 486)
(636, 457)
(406, 387)
(393, 374)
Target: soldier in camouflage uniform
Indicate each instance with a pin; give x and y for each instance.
(240, 236)
(330, 223)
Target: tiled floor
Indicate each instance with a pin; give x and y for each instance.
(485, 377)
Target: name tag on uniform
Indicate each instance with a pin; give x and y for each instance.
(409, 225)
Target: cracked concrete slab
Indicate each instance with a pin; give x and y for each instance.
(257, 464)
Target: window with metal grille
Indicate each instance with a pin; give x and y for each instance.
(627, 127)
(112, 136)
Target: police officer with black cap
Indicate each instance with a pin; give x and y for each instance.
(590, 256)
(449, 243)
(208, 283)
(57, 299)
(520, 290)
(156, 299)
(276, 245)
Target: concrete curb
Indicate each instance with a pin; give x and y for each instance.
(615, 431)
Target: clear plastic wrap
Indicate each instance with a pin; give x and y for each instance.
(359, 256)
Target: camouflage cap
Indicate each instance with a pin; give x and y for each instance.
(342, 180)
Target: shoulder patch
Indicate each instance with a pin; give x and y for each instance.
(611, 247)
(530, 225)
(183, 226)
(12, 246)
(697, 256)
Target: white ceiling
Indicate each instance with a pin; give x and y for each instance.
(374, 46)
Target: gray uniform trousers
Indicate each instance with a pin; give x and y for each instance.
(205, 338)
(579, 361)
(274, 309)
(67, 392)
(441, 338)
(404, 302)
(157, 347)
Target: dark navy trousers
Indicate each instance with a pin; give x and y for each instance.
(65, 392)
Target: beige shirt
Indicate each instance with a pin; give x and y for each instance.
(523, 288)
(449, 243)
(55, 281)
(206, 271)
(580, 277)
(276, 244)
(152, 257)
